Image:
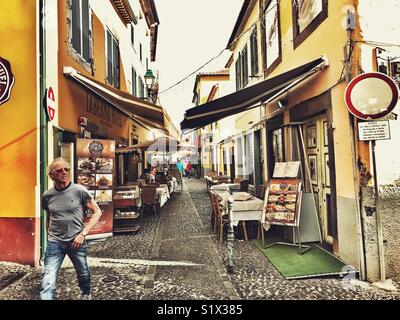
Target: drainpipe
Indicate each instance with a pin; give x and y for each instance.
(43, 122)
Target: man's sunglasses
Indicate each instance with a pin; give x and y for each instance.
(61, 170)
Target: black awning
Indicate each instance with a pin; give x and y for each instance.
(247, 98)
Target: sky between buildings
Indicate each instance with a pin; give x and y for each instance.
(191, 32)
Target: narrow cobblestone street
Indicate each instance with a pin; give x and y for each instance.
(175, 256)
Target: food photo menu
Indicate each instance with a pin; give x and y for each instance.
(95, 170)
(281, 202)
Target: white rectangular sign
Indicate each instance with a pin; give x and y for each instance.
(373, 130)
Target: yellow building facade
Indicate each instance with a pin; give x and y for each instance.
(78, 74)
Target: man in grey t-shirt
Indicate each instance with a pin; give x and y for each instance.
(65, 204)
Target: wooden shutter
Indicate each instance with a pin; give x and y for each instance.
(245, 67)
(76, 26)
(254, 52)
(132, 35)
(238, 66)
(85, 30)
(116, 65)
(109, 58)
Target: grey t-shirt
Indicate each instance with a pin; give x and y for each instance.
(65, 208)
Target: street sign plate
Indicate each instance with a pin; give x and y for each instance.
(373, 130)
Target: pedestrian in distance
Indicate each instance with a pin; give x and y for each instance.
(179, 165)
(189, 170)
(65, 204)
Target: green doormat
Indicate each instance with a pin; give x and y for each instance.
(291, 265)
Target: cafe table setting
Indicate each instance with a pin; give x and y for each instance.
(246, 207)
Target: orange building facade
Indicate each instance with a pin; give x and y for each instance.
(74, 78)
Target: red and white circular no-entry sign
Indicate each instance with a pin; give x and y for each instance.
(371, 95)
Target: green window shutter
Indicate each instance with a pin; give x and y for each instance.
(76, 26)
(134, 83)
(85, 30)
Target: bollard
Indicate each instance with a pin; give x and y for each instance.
(230, 236)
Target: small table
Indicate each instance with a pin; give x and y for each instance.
(226, 186)
(249, 210)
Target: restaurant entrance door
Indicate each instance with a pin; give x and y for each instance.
(316, 144)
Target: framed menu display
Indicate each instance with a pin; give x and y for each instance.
(95, 170)
(281, 203)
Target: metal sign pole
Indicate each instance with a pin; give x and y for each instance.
(378, 216)
(230, 236)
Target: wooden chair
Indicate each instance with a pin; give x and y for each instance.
(223, 180)
(222, 219)
(178, 176)
(237, 180)
(260, 191)
(149, 197)
(213, 211)
(155, 184)
(244, 185)
(141, 182)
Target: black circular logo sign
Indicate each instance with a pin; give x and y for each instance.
(6, 80)
(96, 148)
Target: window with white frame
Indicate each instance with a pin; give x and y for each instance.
(307, 10)
(113, 63)
(307, 16)
(272, 41)
(80, 28)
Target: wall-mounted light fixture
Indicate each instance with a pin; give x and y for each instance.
(282, 103)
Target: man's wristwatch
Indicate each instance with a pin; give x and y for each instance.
(84, 234)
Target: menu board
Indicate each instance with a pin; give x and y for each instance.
(286, 169)
(281, 203)
(95, 171)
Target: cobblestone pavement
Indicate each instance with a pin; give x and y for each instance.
(176, 256)
(256, 278)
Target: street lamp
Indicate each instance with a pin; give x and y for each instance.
(149, 80)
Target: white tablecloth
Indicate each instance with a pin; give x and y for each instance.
(242, 210)
(163, 194)
(225, 186)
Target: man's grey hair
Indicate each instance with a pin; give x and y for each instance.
(51, 165)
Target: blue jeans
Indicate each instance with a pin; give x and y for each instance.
(53, 259)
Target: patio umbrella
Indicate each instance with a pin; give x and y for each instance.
(162, 144)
